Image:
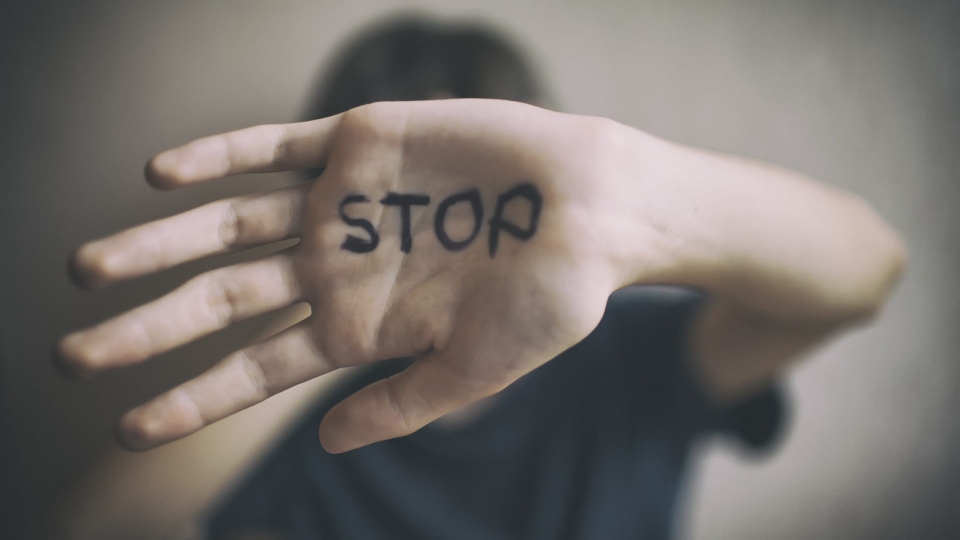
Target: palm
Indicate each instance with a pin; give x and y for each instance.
(452, 232)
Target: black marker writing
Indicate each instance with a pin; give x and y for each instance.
(352, 243)
(405, 201)
(473, 197)
(527, 191)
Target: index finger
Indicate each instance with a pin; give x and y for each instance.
(267, 148)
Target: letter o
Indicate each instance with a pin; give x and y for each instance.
(473, 197)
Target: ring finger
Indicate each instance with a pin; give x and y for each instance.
(205, 304)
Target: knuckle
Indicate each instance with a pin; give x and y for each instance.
(401, 418)
(255, 375)
(381, 120)
(281, 143)
(220, 299)
(230, 226)
(245, 222)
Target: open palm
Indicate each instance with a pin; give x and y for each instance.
(469, 234)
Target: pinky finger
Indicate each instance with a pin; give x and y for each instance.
(240, 380)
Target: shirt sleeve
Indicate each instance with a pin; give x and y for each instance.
(652, 329)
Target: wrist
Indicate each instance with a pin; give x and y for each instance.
(654, 217)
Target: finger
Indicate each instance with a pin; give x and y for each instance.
(218, 227)
(401, 404)
(279, 147)
(240, 380)
(205, 304)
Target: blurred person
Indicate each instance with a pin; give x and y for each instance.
(550, 309)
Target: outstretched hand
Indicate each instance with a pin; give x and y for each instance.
(470, 234)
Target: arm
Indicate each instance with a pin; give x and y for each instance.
(786, 260)
(481, 237)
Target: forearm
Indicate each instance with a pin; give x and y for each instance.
(765, 240)
(786, 261)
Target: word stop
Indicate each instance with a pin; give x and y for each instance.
(471, 197)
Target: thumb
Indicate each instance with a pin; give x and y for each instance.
(399, 405)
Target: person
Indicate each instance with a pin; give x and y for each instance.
(550, 308)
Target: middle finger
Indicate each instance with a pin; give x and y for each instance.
(217, 227)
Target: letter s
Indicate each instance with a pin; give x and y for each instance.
(353, 243)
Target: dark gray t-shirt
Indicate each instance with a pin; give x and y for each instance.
(591, 445)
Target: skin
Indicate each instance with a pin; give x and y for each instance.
(786, 262)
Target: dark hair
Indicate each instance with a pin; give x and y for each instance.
(413, 58)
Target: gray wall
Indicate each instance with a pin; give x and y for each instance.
(862, 95)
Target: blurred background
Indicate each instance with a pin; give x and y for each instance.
(863, 95)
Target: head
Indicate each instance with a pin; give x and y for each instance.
(413, 58)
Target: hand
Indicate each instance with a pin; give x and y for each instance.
(478, 236)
